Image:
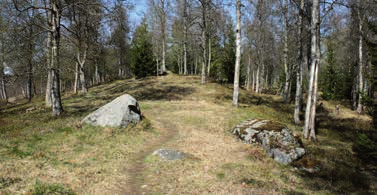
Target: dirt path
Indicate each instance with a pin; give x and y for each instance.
(135, 171)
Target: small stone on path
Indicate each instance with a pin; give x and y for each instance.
(169, 154)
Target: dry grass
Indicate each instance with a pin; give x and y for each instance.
(36, 147)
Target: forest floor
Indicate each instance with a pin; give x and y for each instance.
(40, 153)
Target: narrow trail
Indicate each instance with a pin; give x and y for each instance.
(135, 171)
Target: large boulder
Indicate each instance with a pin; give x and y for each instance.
(275, 138)
(118, 113)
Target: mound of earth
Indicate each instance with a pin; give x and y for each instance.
(276, 139)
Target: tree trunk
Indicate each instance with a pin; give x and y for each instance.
(309, 131)
(3, 91)
(179, 64)
(30, 73)
(257, 80)
(286, 68)
(209, 57)
(81, 62)
(261, 79)
(97, 77)
(204, 40)
(57, 107)
(248, 74)
(300, 66)
(185, 72)
(314, 105)
(163, 26)
(361, 62)
(238, 54)
(354, 93)
(266, 82)
(253, 85)
(157, 64)
(84, 87)
(77, 73)
(196, 64)
(48, 98)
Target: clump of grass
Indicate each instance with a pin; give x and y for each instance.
(7, 181)
(220, 175)
(44, 188)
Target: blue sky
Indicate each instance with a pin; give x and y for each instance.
(138, 12)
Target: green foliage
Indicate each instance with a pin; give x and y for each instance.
(229, 59)
(224, 56)
(331, 75)
(142, 61)
(366, 147)
(335, 84)
(43, 188)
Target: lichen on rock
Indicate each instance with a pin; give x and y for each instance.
(275, 138)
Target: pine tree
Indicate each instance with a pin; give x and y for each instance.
(142, 61)
(331, 76)
(230, 54)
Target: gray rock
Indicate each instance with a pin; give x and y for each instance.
(169, 154)
(118, 113)
(275, 138)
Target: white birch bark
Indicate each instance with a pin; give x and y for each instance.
(96, 74)
(309, 131)
(3, 91)
(81, 62)
(238, 53)
(257, 80)
(48, 97)
(163, 34)
(253, 85)
(204, 40)
(248, 75)
(57, 107)
(209, 56)
(286, 68)
(361, 62)
(185, 72)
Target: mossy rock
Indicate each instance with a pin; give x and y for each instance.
(271, 126)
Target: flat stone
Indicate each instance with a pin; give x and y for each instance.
(170, 154)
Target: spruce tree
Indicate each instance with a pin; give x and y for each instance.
(142, 61)
(331, 76)
(230, 54)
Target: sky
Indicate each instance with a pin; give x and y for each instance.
(139, 10)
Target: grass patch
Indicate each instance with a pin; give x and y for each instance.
(93, 160)
(44, 188)
(6, 182)
(151, 159)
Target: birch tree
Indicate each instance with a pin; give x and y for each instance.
(185, 26)
(3, 91)
(285, 54)
(309, 127)
(203, 7)
(238, 53)
(361, 54)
